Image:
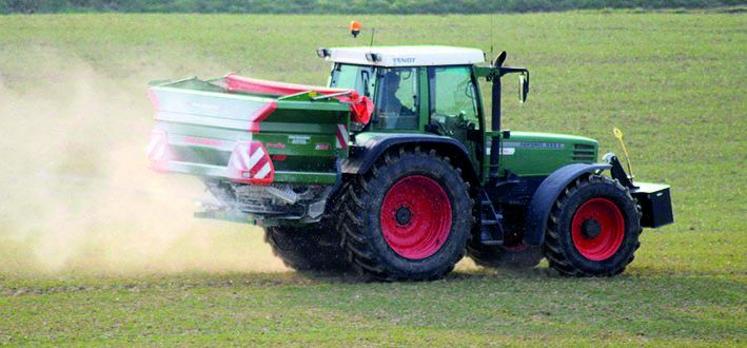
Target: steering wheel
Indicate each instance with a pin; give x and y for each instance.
(463, 122)
(447, 124)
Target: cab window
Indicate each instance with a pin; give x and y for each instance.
(453, 102)
(355, 77)
(396, 98)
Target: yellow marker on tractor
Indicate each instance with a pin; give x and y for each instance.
(619, 135)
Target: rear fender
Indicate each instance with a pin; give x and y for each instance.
(364, 155)
(538, 211)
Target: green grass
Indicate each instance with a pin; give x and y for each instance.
(675, 83)
(477, 308)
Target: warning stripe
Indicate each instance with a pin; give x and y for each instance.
(250, 162)
(262, 173)
(254, 159)
(343, 137)
(158, 145)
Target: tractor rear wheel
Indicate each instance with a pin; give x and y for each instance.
(408, 218)
(311, 248)
(593, 228)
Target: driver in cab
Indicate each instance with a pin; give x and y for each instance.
(389, 103)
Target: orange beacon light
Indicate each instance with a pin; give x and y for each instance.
(355, 28)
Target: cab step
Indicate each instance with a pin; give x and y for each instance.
(491, 227)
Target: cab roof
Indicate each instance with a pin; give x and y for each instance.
(391, 56)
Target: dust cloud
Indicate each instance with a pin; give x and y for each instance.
(75, 192)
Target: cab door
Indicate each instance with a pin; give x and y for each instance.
(454, 107)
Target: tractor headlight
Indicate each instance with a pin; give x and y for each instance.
(322, 52)
(373, 57)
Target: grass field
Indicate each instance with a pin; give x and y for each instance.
(94, 250)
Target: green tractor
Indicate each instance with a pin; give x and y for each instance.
(395, 169)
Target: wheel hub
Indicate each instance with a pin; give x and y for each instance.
(403, 216)
(598, 229)
(591, 228)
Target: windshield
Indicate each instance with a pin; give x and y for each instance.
(355, 77)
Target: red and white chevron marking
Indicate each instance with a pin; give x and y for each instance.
(157, 146)
(343, 137)
(250, 163)
(158, 150)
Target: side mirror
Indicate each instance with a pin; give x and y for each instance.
(500, 59)
(523, 87)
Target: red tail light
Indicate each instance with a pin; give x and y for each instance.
(158, 150)
(250, 163)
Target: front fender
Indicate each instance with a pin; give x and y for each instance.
(538, 210)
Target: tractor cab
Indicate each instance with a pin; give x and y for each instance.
(415, 88)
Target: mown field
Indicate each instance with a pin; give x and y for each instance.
(96, 250)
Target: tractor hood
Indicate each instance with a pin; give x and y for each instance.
(539, 154)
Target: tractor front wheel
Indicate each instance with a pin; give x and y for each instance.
(408, 218)
(593, 228)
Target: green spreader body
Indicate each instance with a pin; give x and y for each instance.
(201, 123)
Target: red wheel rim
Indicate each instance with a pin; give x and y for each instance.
(416, 217)
(598, 229)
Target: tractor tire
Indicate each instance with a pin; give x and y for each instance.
(593, 229)
(408, 218)
(311, 248)
(520, 257)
